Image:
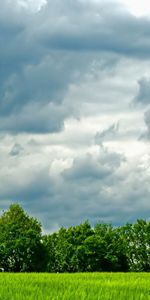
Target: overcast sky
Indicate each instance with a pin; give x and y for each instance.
(75, 110)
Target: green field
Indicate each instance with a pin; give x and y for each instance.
(89, 286)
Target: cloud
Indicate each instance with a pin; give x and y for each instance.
(31, 5)
(95, 28)
(62, 193)
(145, 135)
(100, 193)
(69, 71)
(16, 149)
(143, 96)
(41, 62)
(36, 119)
(86, 169)
(107, 134)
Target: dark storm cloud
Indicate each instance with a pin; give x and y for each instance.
(43, 53)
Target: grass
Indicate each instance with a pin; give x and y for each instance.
(85, 286)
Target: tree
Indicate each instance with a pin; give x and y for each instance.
(137, 244)
(63, 248)
(21, 247)
(112, 256)
(50, 243)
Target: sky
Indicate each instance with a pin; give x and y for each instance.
(75, 110)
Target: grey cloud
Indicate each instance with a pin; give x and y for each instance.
(87, 168)
(45, 82)
(107, 134)
(104, 197)
(35, 118)
(146, 133)
(98, 168)
(95, 28)
(16, 149)
(63, 200)
(43, 53)
(143, 96)
(120, 196)
(94, 187)
(26, 184)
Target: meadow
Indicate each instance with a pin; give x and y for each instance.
(81, 286)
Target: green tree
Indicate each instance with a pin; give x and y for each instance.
(50, 244)
(63, 248)
(111, 253)
(77, 236)
(137, 244)
(21, 247)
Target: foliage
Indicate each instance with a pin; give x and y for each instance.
(82, 248)
(21, 248)
(137, 245)
(79, 248)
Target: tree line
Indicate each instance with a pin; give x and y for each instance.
(81, 248)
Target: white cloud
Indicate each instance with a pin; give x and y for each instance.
(138, 7)
(32, 5)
